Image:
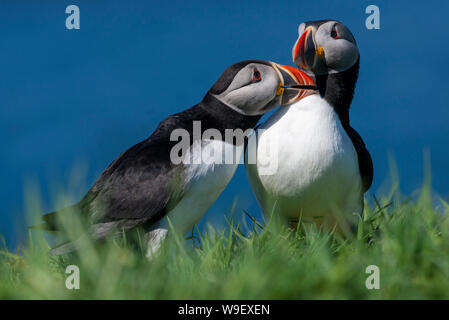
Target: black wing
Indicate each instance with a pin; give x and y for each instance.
(365, 161)
(139, 184)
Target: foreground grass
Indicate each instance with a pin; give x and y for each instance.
(407, 239)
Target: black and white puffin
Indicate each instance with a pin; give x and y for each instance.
(323, 166)
(148, 186)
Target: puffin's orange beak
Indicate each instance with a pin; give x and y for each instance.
(294, 84)
(305, 50)
(298, 49)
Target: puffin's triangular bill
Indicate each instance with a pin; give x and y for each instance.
(295, 84)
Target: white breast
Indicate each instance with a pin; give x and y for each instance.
(205, 179)
(317, 168)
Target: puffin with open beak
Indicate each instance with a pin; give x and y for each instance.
(323, 166)
(153, 186)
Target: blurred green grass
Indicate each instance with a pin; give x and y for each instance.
(407, 238)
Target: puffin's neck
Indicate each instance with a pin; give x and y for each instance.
(338, 90)
(221, 117)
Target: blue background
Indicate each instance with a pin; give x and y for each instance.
(77, 98)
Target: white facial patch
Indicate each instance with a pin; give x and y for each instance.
(250, 97)
(340, 53)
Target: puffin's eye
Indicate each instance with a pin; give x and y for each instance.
(334, 34)
(256, 75)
